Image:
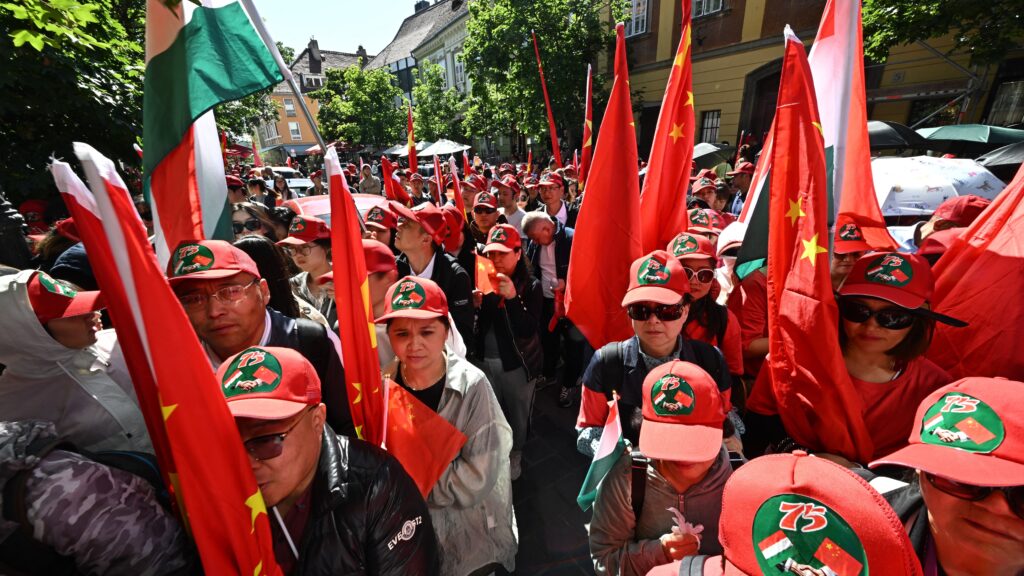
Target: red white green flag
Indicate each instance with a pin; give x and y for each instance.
(608, 452)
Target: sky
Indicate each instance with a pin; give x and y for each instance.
(338, 25)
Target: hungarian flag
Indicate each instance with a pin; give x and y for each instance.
(813, 392)
(839, 561)
(196, 58)
(352, 294)
(607, 239)
(547, 104)
(411, 142)
(609, 450)
(663, 201)
(393, 188)
(837, 66)
(774, 545)
(984, 266)
(422, 441)
(192, 430)
(588, 131)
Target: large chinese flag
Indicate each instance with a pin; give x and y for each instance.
(588, 131)
(813, 392)
(188, 420)
(978, 280)
(352, 295)
(607, 239)
(663, 202)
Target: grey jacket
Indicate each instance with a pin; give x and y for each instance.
(471, 504)
(622, 544)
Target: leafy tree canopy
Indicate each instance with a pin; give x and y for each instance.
(242, 117)
(437, 109)
(358, 106)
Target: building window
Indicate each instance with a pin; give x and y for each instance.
(709, 122)
(637, 22)
(289, 107)
(706, 7)
(460, 73)
(293, 127)
(1008, 105)
(269, 132)
(314, 81)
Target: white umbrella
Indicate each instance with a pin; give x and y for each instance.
(420, 147)
(917, 185)
(442, 147)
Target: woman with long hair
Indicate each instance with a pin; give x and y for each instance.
(252, 219)
(309, 245)
(273, 266)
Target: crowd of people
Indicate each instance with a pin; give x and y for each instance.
(711, 481)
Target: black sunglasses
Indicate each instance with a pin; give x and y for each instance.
(251, 225)
(1014, 494)
(271, 446)
(664, 312)
(482, 210)
(891, 318)
(704, 275)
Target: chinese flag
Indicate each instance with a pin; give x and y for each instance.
(984, 265)
(424, 442)
(814, 395)
(607, 239)
(588, 129)
(352, 294)
(663, 202)
(484, 272)
(439, 195)
(393, 188)
(411, 143)
(975, 430)
(467, 166)
(839, 561)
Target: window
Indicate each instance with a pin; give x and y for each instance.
(706, 7)
(293, 127)
(289, 107)
(1008, 105)
(314, 81)
(460, 73)
(269, 132)
(637, 23)
(709, 122)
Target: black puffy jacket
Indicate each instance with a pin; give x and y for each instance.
(516, 324)
(366, 515)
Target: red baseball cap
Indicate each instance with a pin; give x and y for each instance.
(416, 177)
(378, 256)
(971, 431)
(702, 184)
(961, 210)
(938, 242)
(207, 260)
(742, 168)
(454, 219)
(268, 383)
(414, 297)
(903, 279)
(479, 181)
(657, 277)
(551, 179)
(506, 167)
(701, 221)
(306, 229)
(707, 173)
(688, 246)
(797, 510)
(486, 199)
(234, 181)
(530, 182)
(380, 217)
(683, 414)
(849, 237)
(426, 215)
(51, 298)
(503, 238)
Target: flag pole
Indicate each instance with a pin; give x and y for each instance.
(555, 150)
(261, 28)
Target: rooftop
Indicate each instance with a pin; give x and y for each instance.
(417, 28)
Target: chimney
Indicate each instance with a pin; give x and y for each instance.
(314, 57)
(421, 5)
(361, 53)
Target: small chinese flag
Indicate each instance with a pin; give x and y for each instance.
(484, 272)
(975, 430)
(836, 559)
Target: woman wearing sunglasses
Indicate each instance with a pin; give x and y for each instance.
(964, 509)
(309, 245)
(657, 304)
(250, 219)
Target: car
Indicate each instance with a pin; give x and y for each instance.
(298, 185)
(320, 206)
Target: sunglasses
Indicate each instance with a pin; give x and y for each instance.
(892, 318)
(301, 250)
(704, 275)
(251, 225)
(664, 312)
(271, 446)
(482, 210)
(1014, 494)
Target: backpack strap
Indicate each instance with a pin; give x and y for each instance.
(692, 565)
(614, 371)
(638, 486)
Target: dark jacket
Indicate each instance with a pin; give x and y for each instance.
(909, 505)
(516, 324)
(366, 515)
(572, 212)
(563, 246)
(312, 341)
(457, 286)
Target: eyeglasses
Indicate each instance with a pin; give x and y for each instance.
(232, 294)
(271, 446)
(301, 250)
(251, 225)
(664, 312)
(891, 318)
(703, 275)
(1014, 494)
(483, 210)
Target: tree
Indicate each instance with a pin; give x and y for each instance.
(986, 31)
(242, 117)
(499, 59)
(358, 106)
(437, 109)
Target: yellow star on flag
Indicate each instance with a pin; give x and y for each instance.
(689, 99)
(255, 502)
(359, 432)
(259, 568)
(820, 129)
(795, 211)
(167, 410)
(677, 132)
(359, 392)
(811, 249)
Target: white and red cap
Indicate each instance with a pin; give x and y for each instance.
(306, 229)
(208, 260)
(503, 238)
(657, 277)
(51, 298)
(268, 383)
(414, 297)
(683, 413)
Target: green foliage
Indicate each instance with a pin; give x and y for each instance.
(242, 117)
(985, 30)
(499, 57)
(358, 106)
(50, 23)
(287, 52)
(437, 109)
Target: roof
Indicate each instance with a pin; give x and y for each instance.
(418, 28)
(330, 58)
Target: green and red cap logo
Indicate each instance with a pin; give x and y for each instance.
(653, 271)
(54, 286)
(962, 421)
(486, 199)
(498, 235)
(793, 531)
(699, 217)
(298, 225)
(253, 371)
(890, 269)
(850, 232)
(671, 395)
(408, 295)
(190, 258)
(412, 297)
(684, 244)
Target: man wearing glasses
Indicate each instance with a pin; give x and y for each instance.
(337, 505)
(485, 216)
(227, 302)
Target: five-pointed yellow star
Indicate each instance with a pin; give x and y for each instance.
(820, 129)
(677, 132)
(689, 99)
(811, 249)
(167, 410)
(259, 568)
(359, 392)
(255, 502)
(795, 211)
